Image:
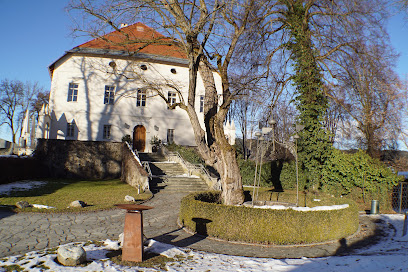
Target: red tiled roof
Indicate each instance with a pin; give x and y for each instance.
(141, 39)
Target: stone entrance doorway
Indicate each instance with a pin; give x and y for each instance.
(139, 138)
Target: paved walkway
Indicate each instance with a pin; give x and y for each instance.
(24, 232)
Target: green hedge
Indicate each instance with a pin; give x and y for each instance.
(199, 213)
(247, 169)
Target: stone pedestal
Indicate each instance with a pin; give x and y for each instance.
(132, 249)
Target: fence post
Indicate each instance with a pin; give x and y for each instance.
(400, 198)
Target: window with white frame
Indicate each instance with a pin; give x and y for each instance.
(201, 103)
(107, 131)
(170, 136)
(141, 98)
(109, 95)
(171, 98)
(72, 92)
(70, 129)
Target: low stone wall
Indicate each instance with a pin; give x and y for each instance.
(132, 172)
(80, 159)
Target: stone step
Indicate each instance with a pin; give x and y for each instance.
(184, 190)
(151, 157)
(171, 176)
(166, 169)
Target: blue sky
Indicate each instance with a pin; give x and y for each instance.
(35, 33)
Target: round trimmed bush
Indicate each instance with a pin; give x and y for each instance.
(202, 213)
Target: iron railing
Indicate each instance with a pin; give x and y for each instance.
(192, 167)
(146, 166)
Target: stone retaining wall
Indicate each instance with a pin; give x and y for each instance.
(80, 159)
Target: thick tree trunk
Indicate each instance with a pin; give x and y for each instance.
(212, 145)
(232, 192)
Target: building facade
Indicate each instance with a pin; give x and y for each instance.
(103, 92)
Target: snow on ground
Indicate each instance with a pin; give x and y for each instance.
(303, 209)
(40, 206)
(389, 255)
(20, 186)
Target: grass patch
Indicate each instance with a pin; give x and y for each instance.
(189, 154)
(41, 266)
(99, 195)
(13, 267)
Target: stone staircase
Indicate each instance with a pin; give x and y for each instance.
(171, 176)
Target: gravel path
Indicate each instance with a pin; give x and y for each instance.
(24, 232)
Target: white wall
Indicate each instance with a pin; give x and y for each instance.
(91, 114)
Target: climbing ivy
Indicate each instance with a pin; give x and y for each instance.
(314, 145)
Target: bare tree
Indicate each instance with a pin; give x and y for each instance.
(208, 33)
(11, 105)
(41, 99)
(369, 91)
(15, 97)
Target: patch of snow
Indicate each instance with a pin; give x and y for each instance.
(317, 200)
(25, 185)
(304, 209)
(272, 207)
(39, 206)
(321, 208)
(164, 249)
(114, 245)
(9, 156)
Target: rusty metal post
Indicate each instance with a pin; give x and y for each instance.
(132, 249)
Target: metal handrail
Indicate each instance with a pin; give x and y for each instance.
(146, 166)
(190, 167)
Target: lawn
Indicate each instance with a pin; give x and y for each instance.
(99, 195)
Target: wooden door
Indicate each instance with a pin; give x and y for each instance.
(139, 138)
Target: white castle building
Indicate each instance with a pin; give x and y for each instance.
(101, 91)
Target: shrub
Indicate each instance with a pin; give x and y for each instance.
(238, 223)
(345, 172)
(288, 176)
(247, 169)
